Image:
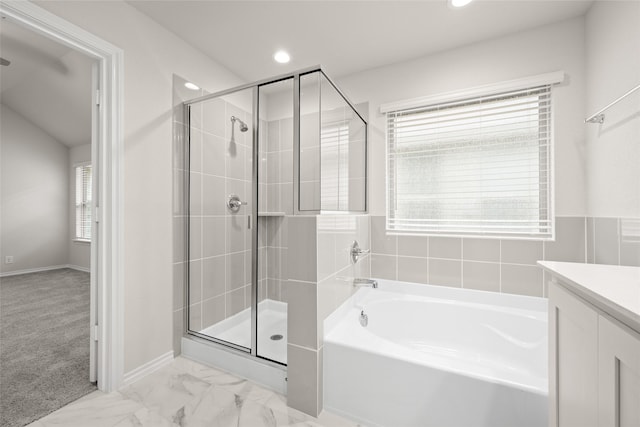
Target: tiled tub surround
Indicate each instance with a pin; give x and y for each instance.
(320, 273)
(614, 241)
(497, 265)
(441, 357)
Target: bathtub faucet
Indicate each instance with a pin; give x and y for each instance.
(365, 282)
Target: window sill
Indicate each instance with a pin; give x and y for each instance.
(82, 241)
(546, 238)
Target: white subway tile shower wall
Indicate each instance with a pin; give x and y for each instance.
(501, 265)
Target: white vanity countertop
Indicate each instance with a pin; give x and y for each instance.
(613, 289)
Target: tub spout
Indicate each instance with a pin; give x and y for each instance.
(365, 282)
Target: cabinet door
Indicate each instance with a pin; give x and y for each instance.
(573, 360)
(619, 375)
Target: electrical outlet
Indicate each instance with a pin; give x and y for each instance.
(8, 259)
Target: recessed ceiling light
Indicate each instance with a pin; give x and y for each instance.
(459, 3)
(281, 56)
(191, 86)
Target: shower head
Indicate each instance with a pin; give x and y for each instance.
(243, 125)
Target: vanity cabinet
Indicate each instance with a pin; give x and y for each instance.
(573, 363)
(594, 364)
(618, 374)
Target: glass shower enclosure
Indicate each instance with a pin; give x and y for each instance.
(259, 154)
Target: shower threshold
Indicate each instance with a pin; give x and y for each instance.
(272, 321)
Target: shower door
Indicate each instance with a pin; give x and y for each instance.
(259, 155)
(221, 223)
(275, 206)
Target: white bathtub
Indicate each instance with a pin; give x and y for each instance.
(437, 356)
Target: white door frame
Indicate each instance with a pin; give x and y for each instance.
(107, 157)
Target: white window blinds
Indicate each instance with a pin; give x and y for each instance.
(83, 202)
(334, 146)
(478, 166)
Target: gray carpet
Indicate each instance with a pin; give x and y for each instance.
(44, 343)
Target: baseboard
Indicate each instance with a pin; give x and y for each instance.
(35, 270)
(146, 369)
(78, 268)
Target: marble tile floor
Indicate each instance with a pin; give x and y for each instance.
(189, 394)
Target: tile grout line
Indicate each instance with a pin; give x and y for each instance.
(226, 270)
(500, 265)
(201, 196)
(462, 263)
(619, 240)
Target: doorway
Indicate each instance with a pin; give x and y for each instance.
(106, 326)
(47, 232)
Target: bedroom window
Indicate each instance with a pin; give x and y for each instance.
(83, 202)
(476, 166)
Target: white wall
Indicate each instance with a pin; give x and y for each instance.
(542, 50)
(151, 56)
(613, 68)
(79, 252)
(34, 195)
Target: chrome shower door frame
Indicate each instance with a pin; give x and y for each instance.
(252, 352)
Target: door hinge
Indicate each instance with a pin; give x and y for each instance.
(97, 214)
(95, 332)
(98, 97)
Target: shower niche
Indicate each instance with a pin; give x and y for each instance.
(258, 155)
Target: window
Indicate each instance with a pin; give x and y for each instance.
(478, 166)
(83, 202)
(334, 146)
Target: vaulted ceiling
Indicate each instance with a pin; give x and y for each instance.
(47, 83)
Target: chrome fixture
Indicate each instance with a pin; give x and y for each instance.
(234, 203)
(356, 252)
(365, 282)
(364, 319)
(598, 117)
(243, 125)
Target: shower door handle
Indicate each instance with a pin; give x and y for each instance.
(234, 203)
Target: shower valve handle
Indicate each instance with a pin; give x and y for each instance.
(356, 252)
(234, 203)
